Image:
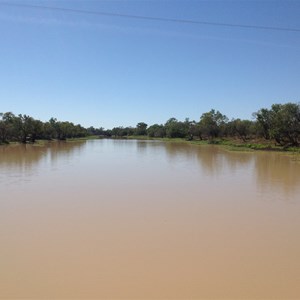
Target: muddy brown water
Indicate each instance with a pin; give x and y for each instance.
(109, 219)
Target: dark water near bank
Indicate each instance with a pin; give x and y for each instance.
(143, 219)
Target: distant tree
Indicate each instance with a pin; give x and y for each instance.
(198, 131)
(212, 124)
(129, 131)
(285, 124)
(91, 131)
(37, 127)
(66, 130)
(23, 127)
(192, 129)
(3, 132)
(243, 129)
(6, 127)
(108, 132)
(157, 131)
(49, 131)
(54, 128)
(119, 131)
(264, 119)
(141, 129)
(176, 129)
(281, 123)
(96, 131)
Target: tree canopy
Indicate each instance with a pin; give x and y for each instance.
(280, 123)
(23, 128)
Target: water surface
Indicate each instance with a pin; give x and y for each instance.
(142, 219)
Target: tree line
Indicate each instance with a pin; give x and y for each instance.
(280, 123)
(24, 129)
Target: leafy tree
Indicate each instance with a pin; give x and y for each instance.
(23, 127)
(49, 131)
(157, 131)
(281, 123)
(129, 131)
(141, 129)
(285, 124)
(212, 124)
(264, 119)
(96, 131)
(240, 128)
(37, 127)
(193, 130)
(6, 126)
(176, 129)
(118, 131)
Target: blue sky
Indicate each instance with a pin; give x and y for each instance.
(109, 71)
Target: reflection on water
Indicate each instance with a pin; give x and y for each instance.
(272, 171)
(211, 158)
(27, 155)
(20, 162)
(277, 172)
(112, 219)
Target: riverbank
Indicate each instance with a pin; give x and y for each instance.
(230, 144)
(44, 142)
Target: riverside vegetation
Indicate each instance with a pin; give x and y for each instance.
(274, 128)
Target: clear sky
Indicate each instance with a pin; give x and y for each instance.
(109, 71)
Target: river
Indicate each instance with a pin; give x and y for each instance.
(125, 219)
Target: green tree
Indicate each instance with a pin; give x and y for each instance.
(141, 128)
(281, 123)
(6, 127)
(212, 124)
(157, 131)
(176, 129)
(243, 129)
(285, 124)
(118, 131)
(23, 127)
(37, 127)
(264, 119)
